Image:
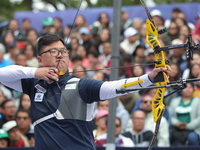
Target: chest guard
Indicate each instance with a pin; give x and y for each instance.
(71, 105)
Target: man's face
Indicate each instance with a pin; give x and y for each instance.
(101, 122)
(118, 127)
(46, 60)
(103, 105)
(133, 38)
(138, 120)
(146, 103)
(23, 120)
(3, 143)
(9, 109)
(14, 134)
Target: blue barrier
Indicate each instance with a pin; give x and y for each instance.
(190, 10)
(125, 148)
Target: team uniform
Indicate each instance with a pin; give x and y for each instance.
(63, 120)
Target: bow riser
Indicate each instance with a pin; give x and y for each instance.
(152, 39)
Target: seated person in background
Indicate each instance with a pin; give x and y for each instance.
(120, 140)
(16, 140)
(4, 139)
(121, 112)
(30, 137)
(23, 119)
(8, 111)
(185, 118)
(139, 135)
(129, 100)
(163, 134)
(100, 122)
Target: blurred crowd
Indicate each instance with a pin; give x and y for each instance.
(90, 49)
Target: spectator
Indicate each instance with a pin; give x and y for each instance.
(93, 60)
(177, 56)
(139, 54)
(150, 60)
(21, 59)
(138, 70)
(23, 122)
(13, 27)
(185, 30)
(100, 122)
(30, 53)
(131, 41)
(6, 91)
(137, 24)
(105, 58)
(196, 60)
(98, 75)
(103, 22)
(139, 135)
(142, 35)
(126, 60)
(79, 71)
(31, 138)
(121, 112)
(85, 37)
(163, 134)
(13, 50)
(73, 46)
(120, 140)
(174, 75)
(174, 15)
(194, 71)
(81, 51)
(4, 62)
(173, 31)
(80, 22)
(25, 102)
(129, 101)
(125, 21)
(75, 61)
(8, 112)
(189, 24)
(196, 31)
(157, 17)
(32, 37)
(69, 33)
(4, 139)
(197, 88)
(26, 25)
(185, 118)
(16, 140)
(104, 37)
(2, 97)
(47, 23)
(58, 24)
(8, 38)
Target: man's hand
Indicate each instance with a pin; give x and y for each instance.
(46, 73)
(155, 71)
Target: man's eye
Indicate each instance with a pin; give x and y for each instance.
(65, 51)
(53, 51)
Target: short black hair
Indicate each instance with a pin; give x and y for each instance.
(4, 103)
(47, 39)
(23, 110)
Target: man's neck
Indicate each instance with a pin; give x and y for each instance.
(24, 130)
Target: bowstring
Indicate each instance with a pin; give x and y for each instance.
(57, 82)
(120, 67)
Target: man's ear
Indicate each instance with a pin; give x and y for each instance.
(39, 60)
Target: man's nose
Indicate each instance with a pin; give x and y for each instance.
(59, 54)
